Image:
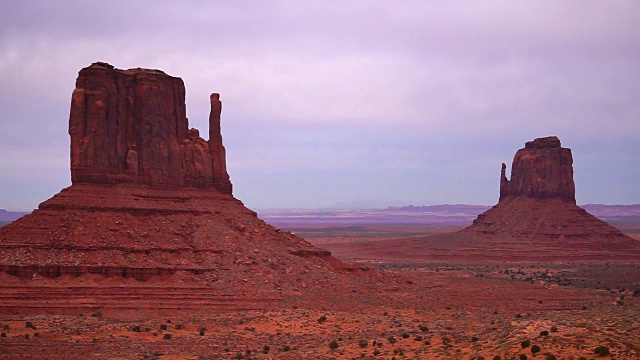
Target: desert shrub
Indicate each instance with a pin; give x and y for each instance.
(30, 325)
(180, 326)
(322, 319)
(582, 358)
(535, 349)
(201, 332)
(164, 327)
(525, 343)
(474, 339)
(391, 339)
(544, 333)
(286, 348)
(147, 329)
(423, 328)
(376, 352)
(3, 335)
(418, 338)
(136, 328)
(168, 321)
(636, 293)
(239, 356)
(36, 334)
(554, 328)
(497, 357)
(549, 356)
(522, 357)
(265, 349)
(333, 345)
(363, 343)
(518, 316)
(26, 336)
(601, 350)
(167, 336)
(405, 336)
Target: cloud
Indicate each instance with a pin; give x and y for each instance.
(336, 86)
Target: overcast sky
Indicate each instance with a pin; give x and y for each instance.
(343, 103)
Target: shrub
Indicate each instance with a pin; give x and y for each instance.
(497, 357)
(136, 328)
(554, 328)
(180, 326)
(363, 343)
(376, 352)
(418, 338)
(36, 334)
(201, 332)
(239, 356)
(474, 339)
(391, 339)
(167, 336)
(601, 350)
(266, 349)
(535, 349)
(333, 345)
(544, 333)
(525, 343)
(286, 348)
(322, 319)
(522, 357)
(3, 335)
(549, 356)
(164, 327)
(30, 325)
(423, 328)
(405, 336)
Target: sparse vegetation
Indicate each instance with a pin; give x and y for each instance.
(30, 325)
(322, 319)
(535, 349)
(423, 328)
(167, 336)
(333, 345)
(363, 343)
(391, 339)
(525, 343)
(601, 350)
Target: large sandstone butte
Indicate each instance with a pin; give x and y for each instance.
(539, 202)
(149, 220)
(130, 126)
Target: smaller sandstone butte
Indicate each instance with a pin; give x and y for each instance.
(539, 202)
(543, 169)
(130, 126)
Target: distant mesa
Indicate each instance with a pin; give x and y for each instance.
(150, 199)
(539, 200)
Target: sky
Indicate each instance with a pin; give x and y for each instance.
(343, 103)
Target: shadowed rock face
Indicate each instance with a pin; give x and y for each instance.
(542, 169)
(130, 126)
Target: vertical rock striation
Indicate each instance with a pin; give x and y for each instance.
(130, 126)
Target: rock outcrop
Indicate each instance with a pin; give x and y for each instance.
(130, 126)
(539, 202)
(542, 169)
(150, 203)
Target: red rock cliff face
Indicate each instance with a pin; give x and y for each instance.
(130, 126)
(542, 169)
